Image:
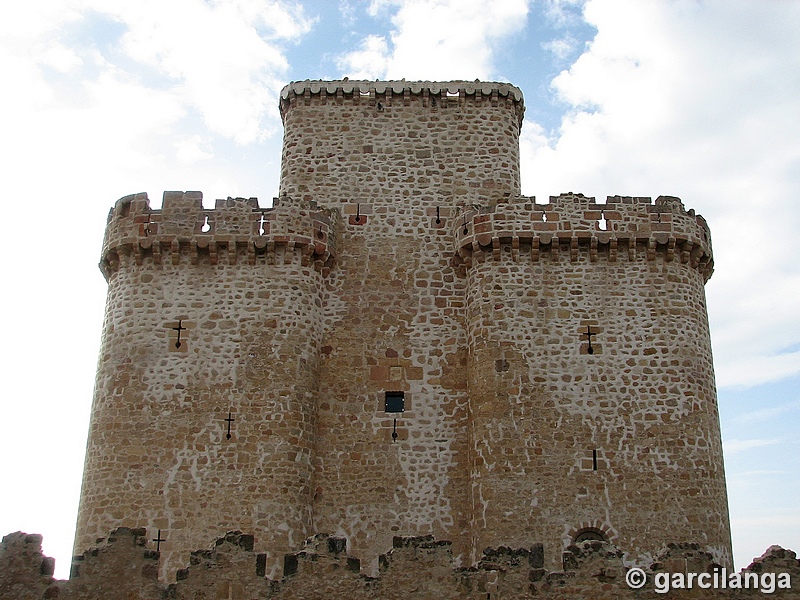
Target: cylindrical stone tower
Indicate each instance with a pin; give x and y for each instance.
(205, 403)
(592, 397)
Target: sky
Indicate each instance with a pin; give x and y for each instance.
(105, 98)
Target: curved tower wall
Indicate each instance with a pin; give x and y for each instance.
(244, 286)
(623, 441)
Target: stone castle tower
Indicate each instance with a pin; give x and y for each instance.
(404, 345)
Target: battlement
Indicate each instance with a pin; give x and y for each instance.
(573, 223)
(237, 229)
(122, 566)
(381, 94)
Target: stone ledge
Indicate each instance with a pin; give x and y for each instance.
(365, 87)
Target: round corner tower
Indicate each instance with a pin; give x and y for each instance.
(593, 403)
(205, 400)
(403, 345)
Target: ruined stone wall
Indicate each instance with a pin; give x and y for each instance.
(124, 567)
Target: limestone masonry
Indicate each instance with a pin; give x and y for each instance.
(402, 347)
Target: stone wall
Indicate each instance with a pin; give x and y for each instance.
(125, 566)
(553, 359)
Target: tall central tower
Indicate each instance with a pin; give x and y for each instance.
(404, 345)
(401, 162)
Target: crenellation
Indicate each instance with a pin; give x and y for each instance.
(183, 228)
(571, 223)
(430, 92)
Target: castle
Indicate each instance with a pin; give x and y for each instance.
(404, 347)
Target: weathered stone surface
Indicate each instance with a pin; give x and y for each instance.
(25, 573)
(417, 568)
(554, 359)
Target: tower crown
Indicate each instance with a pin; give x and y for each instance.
(430, 93)
(574, 222)
(236, 226)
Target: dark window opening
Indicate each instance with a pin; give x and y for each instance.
(590, 534)
(395, 402)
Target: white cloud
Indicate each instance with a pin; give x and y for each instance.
(192, 148)
(275, 19)
(136, 78)
(731, 447)
(563, 13)
(767, 414)
(27, 22)
(376, 7)
(61, 58)
(441, 39)
(561, 48)
(696, 100)
(368, 62)
(218, 55)
(222, 59)
(348, 12)
(750, 370)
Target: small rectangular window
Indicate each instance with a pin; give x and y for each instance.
(395, 402)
